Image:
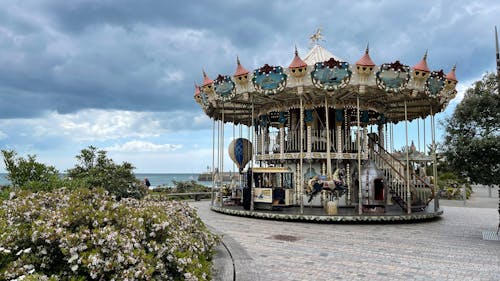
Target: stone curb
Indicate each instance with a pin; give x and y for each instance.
(231, 261)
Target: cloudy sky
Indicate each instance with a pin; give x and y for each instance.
(119, 74)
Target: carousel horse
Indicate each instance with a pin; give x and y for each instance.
(336, 187)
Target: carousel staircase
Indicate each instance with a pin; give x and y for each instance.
(421, 192)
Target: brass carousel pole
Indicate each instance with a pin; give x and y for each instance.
(360, 191)
(252, 132)
(213, 164)
(328, 148)
(434, 163)
(221, 156)
(418, 133)
(301, 152)
(425, 144)
(408, 192)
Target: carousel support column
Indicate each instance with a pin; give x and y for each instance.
(339, 139)
(282, 142)
(252, 131)
(309, 140)
(348, 182)
(434, 163)
(381, 137)
(262, 140)
(222, 156)
(386, 144)
(328, 148)
(408, 192)
(212, 197)
(360, 190)
(425, 149)
(297, 184)
(418, 133)
(301, 186)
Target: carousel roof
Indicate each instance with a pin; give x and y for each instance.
(422, 65)
(382, 89)
(319, 54)
(366, 60)
(297, 61)
(240, 70)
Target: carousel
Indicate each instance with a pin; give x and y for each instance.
(314, 141)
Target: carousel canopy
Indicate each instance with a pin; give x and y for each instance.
(382, 89)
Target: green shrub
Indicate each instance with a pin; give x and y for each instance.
(30, 174)
(86, 234)
(95, 169)
(451, 186)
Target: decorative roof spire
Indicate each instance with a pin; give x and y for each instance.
(240, 70)
(451, 75)
(366, 60)
(297, 61)
(206, 80)
(196, 89)
(422, 65)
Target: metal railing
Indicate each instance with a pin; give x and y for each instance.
(421, 191)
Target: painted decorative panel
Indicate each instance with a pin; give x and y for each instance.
(269, 80)
(331, 74)
(224, 88)
(435, 83)
(393, 77)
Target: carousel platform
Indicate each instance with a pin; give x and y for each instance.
(392, 213)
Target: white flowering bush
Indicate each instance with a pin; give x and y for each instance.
(86, 234)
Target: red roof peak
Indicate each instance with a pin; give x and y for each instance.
(297, 61)
(196, 89)
(240, 70)
(422, 65)
(366, 60)
(206, 80)
(451, 75)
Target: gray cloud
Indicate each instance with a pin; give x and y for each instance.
(66, 56)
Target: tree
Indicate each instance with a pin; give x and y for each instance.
(472, 139)
(28, 173)
(97, 170)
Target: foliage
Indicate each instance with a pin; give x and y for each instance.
(189, 186)
(472, 141)
(86, 235)
(183, 187)
(30, 174)
(451, 186)
(95, 169)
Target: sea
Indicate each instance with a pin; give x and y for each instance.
(156, 180)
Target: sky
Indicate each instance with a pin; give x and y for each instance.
(119, 74)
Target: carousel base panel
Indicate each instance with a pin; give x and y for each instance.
(344, 214)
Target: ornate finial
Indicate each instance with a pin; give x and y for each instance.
(425, 55)
(316, 36)
(454, 67)
(367, 48)
(296, 52)
(204, 73)
(238, 60)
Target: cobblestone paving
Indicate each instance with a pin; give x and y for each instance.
(450, 248)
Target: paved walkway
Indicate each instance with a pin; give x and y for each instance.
(450, 248)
